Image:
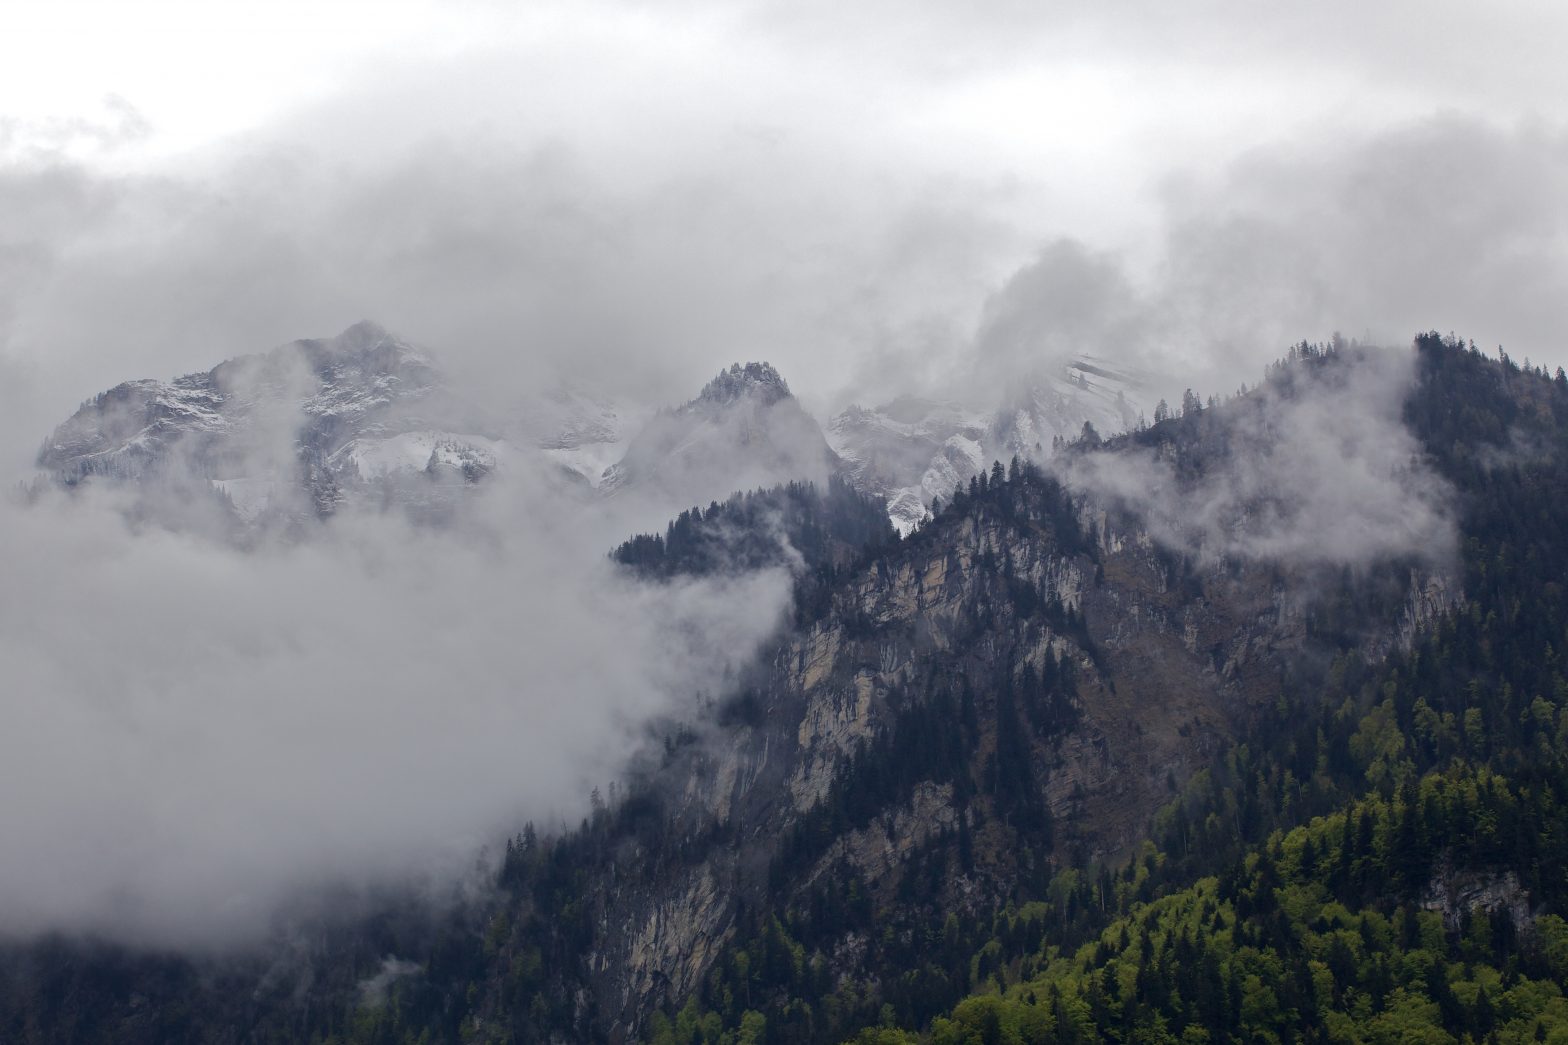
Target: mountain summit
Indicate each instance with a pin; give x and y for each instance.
(141, 428)
(284, 434)
(759, 381)
(743, 431)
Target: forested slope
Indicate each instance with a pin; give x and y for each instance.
(1386, 860)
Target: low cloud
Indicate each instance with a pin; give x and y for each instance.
(196, 734)
(1318, 470)
(373, 990)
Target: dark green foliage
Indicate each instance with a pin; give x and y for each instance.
(1272, 949)
(822, 535)
(72, 991)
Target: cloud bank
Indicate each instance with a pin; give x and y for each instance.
(194, 734)
(1444, 223)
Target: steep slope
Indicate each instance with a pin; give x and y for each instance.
(1384, 861)
(910, 451)
(1016, 688)
(579, 430)
(743, 431)
(1013, 691)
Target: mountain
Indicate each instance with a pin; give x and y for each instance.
(795, 525)
(1367, 850)
(288, 433)
(1088, 391)
(1381, 861)
(912, 451)
(579, 430)
(367, 419)
(744, 430)
(1016, 688)
(308, 428)
(1097, 753)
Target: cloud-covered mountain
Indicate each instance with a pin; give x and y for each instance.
(744, 430)
(911, 450)
(366, 419)
(582, 431)
(361, 419)
(289, 432)
(1013, 694)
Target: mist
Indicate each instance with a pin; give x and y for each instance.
(200, 734)
(1317, 469)
(1444, 223)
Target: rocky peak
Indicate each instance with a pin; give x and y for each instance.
(366, 352)
(312, 418)
(743, 431)
(756, 381)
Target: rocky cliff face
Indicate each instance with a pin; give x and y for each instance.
(301, 418)
(1454, 893)
(1101, 669)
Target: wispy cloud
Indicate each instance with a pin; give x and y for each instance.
(1317, 470)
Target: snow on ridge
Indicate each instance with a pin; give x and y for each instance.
(373, 458)
(911, 450)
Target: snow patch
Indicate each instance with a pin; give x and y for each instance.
(409, 452)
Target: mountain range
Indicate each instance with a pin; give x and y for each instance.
(367, 419)
(1246, 725)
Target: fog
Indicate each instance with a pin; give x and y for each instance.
(629, 197)
(1319, 471)
(194, 732)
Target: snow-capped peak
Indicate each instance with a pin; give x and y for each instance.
(759, 381)
(744, 430)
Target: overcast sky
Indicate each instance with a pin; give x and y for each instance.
(649, 191)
